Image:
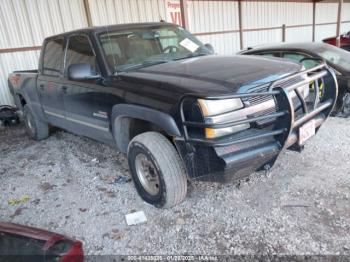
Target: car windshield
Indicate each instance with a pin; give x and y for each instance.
(136, 48)
(334, 55)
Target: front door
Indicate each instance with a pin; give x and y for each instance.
(86, 101)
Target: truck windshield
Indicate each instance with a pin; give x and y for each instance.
(335, 56)
(136, 48)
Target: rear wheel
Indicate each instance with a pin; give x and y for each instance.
(35, 128)
(157, 170)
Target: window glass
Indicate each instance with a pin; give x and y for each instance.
(53, 57)
(112, 51)
(167, 39)
(346, 47)
(269, 54)
(297, 57)
(334, 55)
(294, 56)
(140, 47)
(79, 51)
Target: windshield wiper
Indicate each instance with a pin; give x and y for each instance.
(143, 64)
(190, 56)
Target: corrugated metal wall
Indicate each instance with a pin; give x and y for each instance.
(346, 17)
(106, 12)
(326, 13)
(203, 17)
(275, 14)
(25, 23)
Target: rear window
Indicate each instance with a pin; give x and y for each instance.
(20, 248)
(53, 57)
(24, 249)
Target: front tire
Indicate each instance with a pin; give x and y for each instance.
(36, 129)
(157, 170)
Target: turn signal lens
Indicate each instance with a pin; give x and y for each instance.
(219, 132)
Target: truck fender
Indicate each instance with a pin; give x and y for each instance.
(34, 107)
(123, 112)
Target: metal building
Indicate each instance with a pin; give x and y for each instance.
(229, 25)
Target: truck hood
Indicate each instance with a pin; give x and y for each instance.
(215, 74)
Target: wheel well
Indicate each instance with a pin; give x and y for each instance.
(126, 128)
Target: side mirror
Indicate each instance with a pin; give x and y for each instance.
(81, 72)
(210, 48)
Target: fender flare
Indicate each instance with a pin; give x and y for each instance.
(130, 111)
(36, 108)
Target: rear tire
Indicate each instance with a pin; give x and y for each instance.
(157, 170)
(36, 129)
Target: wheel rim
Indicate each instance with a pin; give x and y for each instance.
(147, 174)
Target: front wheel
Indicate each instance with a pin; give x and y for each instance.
(157, 170)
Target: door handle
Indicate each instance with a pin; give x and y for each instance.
(41, 86)
(64, 89)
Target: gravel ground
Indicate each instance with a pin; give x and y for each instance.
(301, 206)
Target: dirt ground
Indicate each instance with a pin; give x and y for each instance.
(81, 188)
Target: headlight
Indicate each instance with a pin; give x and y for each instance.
(216, 107)
(212, 108)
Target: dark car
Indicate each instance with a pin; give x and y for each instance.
(28, 244)
(336, 58)
(344, 41)
(156, 92)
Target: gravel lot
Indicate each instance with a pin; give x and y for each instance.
(301, 206)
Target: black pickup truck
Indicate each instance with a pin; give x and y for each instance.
(178, 111)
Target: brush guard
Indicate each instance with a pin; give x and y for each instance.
(286, 124)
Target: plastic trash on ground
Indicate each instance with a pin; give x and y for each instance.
(136, 218)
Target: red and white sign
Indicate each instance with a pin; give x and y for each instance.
(173, 11)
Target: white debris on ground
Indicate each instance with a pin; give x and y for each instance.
(301, 206)
(136, 218)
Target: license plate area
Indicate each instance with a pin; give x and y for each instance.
(306, 132)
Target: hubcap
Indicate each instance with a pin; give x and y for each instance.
(147, 174)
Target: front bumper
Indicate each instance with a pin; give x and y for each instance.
(239, 155)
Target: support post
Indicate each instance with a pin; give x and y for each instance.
(340, 7)
(87, 13)
(241, 45)
(283, 33)
(313, 20)
(184, 14)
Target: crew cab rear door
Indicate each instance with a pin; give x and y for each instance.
(49, 81)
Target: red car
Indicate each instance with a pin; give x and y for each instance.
(344, 41)
(21, 243)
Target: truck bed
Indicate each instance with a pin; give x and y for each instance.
(19, 81)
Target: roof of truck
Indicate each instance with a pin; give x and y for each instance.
(101, 29)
